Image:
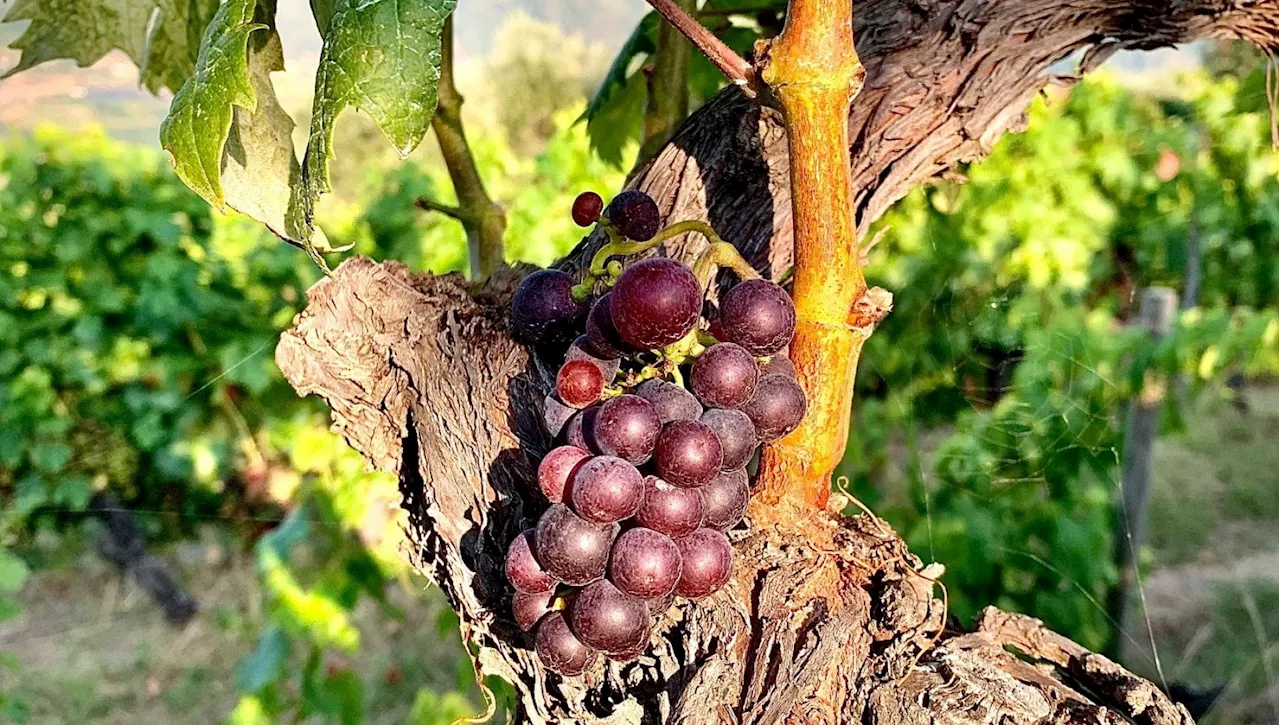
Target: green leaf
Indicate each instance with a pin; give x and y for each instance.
(613, 115)
(86, 30)
(258, 669)
(382, 56)
(230, 140)
(13, 572)
(322, 11)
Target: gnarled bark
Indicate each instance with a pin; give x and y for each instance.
(837, 626)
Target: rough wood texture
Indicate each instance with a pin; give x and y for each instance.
(837, 626)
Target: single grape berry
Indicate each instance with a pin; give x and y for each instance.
(556, 415)
(556, 470)
(724, 499)
(644, 563)
(777, 406)
(670, 400)
(668, 509)
(758, 315)
(707, 562)
(558, 648)
(627, 427)
(579, 383)
(601, 333)
(587, 208)
(582, 349)
(634, 214)
(543, 309)
(724, 376)
(527, 609)
(523, 570)
(655, 302)
(605, 489)
(571, 549)
(578, 430)
(737, 436)
(688, 453)
(608, 619)
(779, 364)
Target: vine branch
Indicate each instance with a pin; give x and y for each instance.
(483, 219)
(667, 101)
(734, 66)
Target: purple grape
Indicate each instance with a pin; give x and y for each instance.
(579, 383)
(629, 655)
(557, 468)
(556, 415)
(737, 436)
(758, 315)
(707, 559)
(582, 349)
(586, 208)
(627, 427)
(579, 430)
(527, 609)
(571, 549)
(610, 620)
(655, 303)
(601, 333)
(543, 309)
(779, 364)
(523, 570)
(777, 406)
(724, 499)
(560, 651)
(668, 509)
(688, 453)
(634, 214)
(724, 376)
(606, 489)
(670, 400)
(644, 563)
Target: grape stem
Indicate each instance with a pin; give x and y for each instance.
(721, 254)
(619, 247)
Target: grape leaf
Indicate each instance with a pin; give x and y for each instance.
(382, 56)
(86, 30)
(612, 115)
(229, 138)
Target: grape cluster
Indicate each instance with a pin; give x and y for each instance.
(648, 473)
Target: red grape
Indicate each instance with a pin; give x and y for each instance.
(707, 559)
(724, 499)
(777, 406)
(668, 509)
(556, 415)
(644, 563)
(579, 383)
(634, 214)
(560, 651)
(543, 309)
(655, 303)
(671, 401)
(527, 609)
(571, 549)
(606, 489)
(724, 376)
(523, 570)
(779, 364)
(582, 349)
(688, 453)
(587, 208)
(736, 433)
(556, 470)
(601, 333)
(607, 619)
(579, 430)
(758, 315)
(627, 427)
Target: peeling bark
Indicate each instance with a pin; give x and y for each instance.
(837, 626)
